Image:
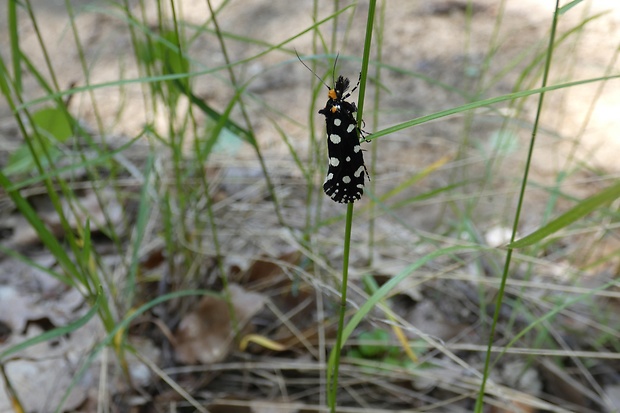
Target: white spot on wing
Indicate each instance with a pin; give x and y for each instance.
(337, 122)
(334, 161)
(350, 128)
(329, 177)
(348, 159)
(359, 171)
(346, 179)
(335, 139)
(357, 148)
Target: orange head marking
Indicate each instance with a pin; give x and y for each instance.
(332, 94)
(335, 108)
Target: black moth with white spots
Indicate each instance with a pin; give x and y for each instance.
(345, 175)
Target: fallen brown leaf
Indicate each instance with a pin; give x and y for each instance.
(205, 334)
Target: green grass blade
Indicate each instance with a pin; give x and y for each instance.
(578, 211)
(99, 160)
(162, 78)
(334, 363)
(386, 288)
(568, 6)
(14, 37)
(485, 102)
(217, 117)
(144, 211)
(46, 237)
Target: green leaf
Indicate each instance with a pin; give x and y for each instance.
(20, 161)
(380, 340)
(53, 125)
(53, 121)
(578, 211)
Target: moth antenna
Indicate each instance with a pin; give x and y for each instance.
(317, 76)
(334, 69)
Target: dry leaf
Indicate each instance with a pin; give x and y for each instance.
(205, 334)
(41, 374)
